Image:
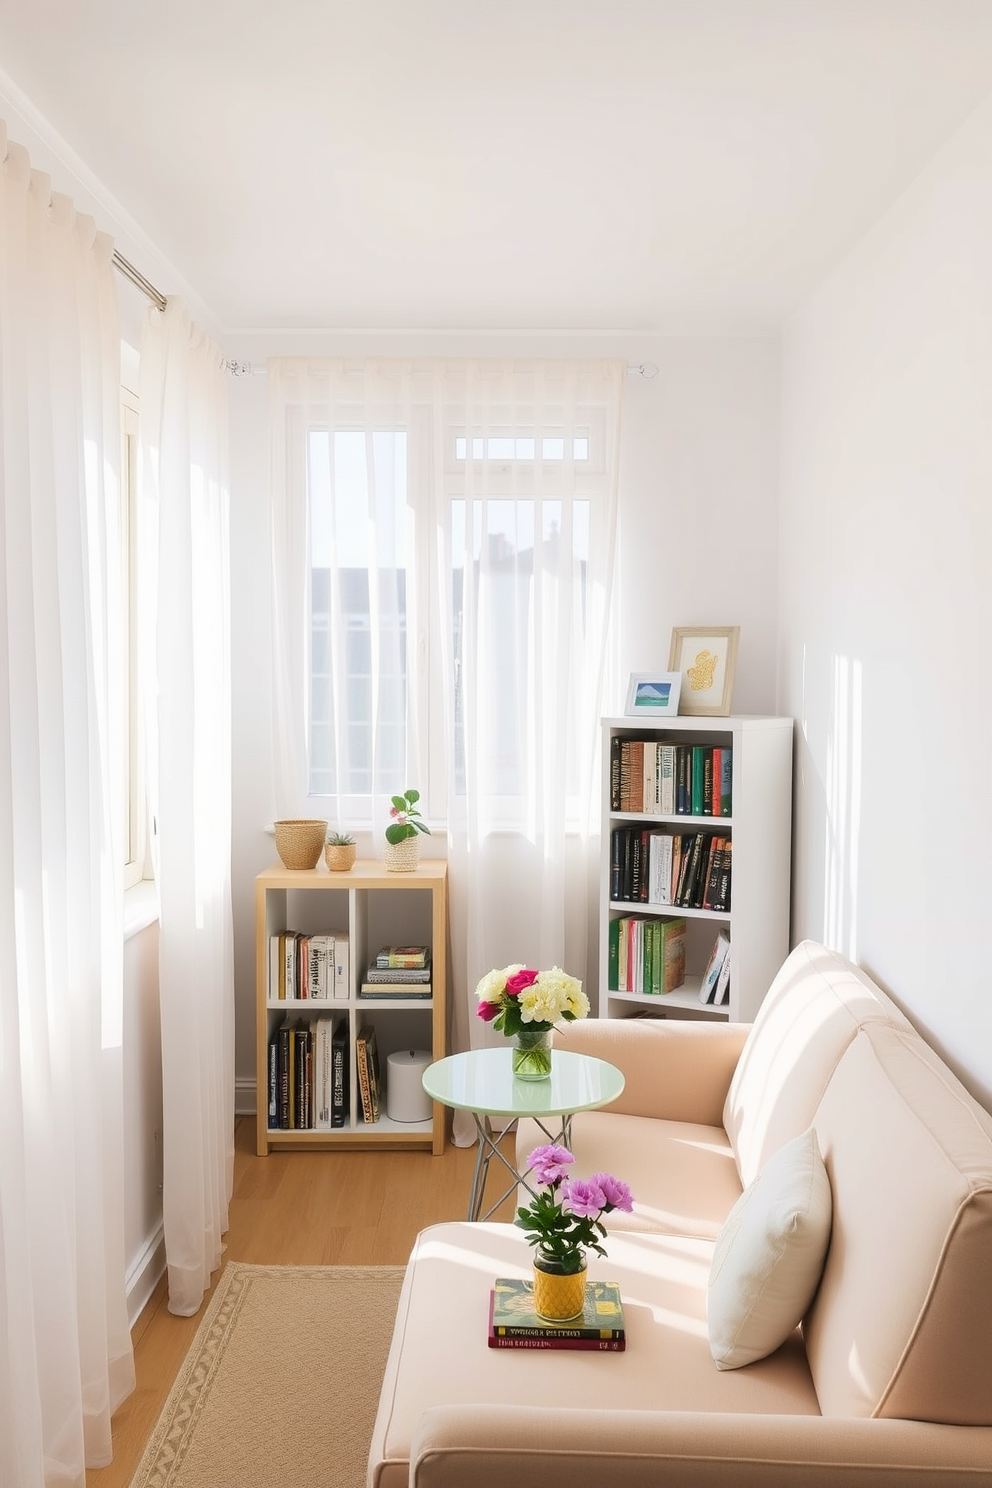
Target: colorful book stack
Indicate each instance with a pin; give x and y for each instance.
(513, 1323)
(399, 971)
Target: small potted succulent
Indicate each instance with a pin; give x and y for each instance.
(339, 851)
(402, 841)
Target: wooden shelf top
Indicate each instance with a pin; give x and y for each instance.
(366, 873)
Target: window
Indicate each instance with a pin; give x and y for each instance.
(442, 544)
(359, 677)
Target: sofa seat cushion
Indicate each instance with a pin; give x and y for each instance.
(769, 1255)
(439, 1354)
(682, 1175)
(810, 1015)
(902, 1323)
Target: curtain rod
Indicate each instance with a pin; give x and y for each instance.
(242, 369)
(138, 279)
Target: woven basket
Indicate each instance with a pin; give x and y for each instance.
(402, 857)
(340, 856)
(300, 843)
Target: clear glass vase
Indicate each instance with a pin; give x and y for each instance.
(532, 1054)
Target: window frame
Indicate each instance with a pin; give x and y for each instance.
(135, 847)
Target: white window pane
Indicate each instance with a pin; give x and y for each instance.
(553, 449)
(580, 449)
(358, 536)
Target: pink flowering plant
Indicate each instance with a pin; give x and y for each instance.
(564, 1219)
(518, 999)
(405, 818)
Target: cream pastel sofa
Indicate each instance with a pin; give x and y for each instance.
(889, 1378)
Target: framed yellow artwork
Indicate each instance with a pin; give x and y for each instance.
(705, 656)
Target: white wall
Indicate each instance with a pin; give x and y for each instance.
(885, 617)
(699, 512)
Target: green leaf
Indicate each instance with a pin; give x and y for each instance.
(413, 795)
(399, 802)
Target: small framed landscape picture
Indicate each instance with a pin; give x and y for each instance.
(705, 657)
(654, 694)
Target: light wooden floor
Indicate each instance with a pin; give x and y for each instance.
(297, 1208)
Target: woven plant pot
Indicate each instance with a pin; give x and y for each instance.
(402, 857)
(299, 843)
(340, 856)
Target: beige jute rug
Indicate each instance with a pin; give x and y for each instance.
(280, 1384)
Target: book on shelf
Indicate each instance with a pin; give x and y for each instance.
(394, 974)
(660, 868)
(721, 893)
(513, 1323)
(417, 991)
(722, 993)
(407, 957)
(273, 1083)
(714, 965)
(367, 1063)
(339, 1074)
(322, 1078)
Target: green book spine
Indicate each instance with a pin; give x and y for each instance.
(613, 969)
(698, 778)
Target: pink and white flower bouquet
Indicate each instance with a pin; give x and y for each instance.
(519, 1000)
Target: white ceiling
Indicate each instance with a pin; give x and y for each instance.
(643, 165)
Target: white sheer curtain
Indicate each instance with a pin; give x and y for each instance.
(503, 558)
(185, 659)
(531, 523)
(65, 1347)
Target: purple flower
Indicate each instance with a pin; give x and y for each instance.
(583, 1197)
(616, 1194)
(549, 1164)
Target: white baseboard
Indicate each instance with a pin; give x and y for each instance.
(245, 1097)
(144, 1273)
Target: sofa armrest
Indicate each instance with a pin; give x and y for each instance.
(674, 1069)
(492, 1446)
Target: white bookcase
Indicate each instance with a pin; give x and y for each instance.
(760, 828)
(374, 908)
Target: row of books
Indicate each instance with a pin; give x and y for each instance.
(513, 1323)
(308, 1075)
(646, 955)
(714, 989)
(308, 1083)
(689, 870)
(662, 778)
(304, 968)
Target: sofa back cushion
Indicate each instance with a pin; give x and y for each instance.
(902, 1323)
(811, 1014)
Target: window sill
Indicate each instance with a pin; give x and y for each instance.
(140, 907)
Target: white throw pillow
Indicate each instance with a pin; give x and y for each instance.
(769, 1255)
